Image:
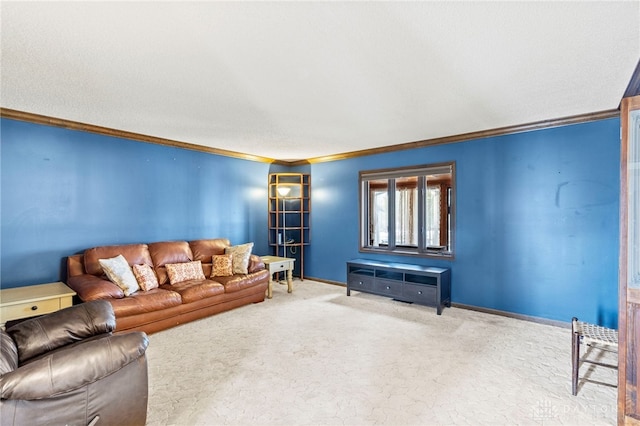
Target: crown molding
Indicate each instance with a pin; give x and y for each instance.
(75, 125)
(538, 125)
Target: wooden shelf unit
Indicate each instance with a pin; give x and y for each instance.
(289, 225)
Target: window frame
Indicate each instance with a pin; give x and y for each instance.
(390, 175)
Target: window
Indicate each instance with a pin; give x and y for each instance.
(408, 210)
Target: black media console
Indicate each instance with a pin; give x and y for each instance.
(408, 283)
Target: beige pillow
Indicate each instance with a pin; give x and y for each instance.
(145, 276)
(179, 272)
(221, 265)
(241, 255)
(120, 273)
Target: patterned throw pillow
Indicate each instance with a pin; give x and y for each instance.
(120, 273)
(179, 272)
(145, 276)
(241, 255)
(222, 265)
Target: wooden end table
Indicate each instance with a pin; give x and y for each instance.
(278, 264)
(33, 300)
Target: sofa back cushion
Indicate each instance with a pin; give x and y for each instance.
(135, 254)
(168, 252)
(203, 250)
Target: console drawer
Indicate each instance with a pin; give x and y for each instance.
(360, 282)
(388, 287)
(423, 294)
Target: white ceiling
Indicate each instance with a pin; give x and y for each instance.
(299, 80)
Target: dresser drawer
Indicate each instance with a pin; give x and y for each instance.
(423, 294)
(360, 282)
(280, 266)
(389, 287)
(29, 309)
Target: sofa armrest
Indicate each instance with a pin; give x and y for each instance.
(89, 287)
(255, 264)
(38, 335)
(74, 367)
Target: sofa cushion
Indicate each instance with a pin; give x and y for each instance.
(168, 252)
(135, 254)
(194, 290)
(204, 249)
(222, 265)
(241, 255)
(239, 282)
(179, 272)
(120, 273)
(145, 301)
(145, 276)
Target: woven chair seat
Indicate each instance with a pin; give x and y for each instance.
(591, 333)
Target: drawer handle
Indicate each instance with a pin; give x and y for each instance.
(34, 308)
(388, 288)
(420, 292)
(360, 282)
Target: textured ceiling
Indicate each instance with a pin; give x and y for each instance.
(299, 80)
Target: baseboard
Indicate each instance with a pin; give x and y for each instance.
(561, 324)
(321, 280)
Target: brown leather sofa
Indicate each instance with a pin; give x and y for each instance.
(68, 368)
(168, 305)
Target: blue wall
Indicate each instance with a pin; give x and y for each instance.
(64, 191)
(536, 221)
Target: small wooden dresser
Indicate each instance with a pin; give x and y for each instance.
(29, 301)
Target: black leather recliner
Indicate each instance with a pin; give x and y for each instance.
(67, 368)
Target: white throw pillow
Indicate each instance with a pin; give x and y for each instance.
(120, 273)
(241, 255)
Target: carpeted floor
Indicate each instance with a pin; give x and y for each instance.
(318, 357)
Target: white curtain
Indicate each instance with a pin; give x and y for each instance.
(406, 217)
(432, 209)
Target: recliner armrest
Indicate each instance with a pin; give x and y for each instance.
(71, 368)
(38, 335)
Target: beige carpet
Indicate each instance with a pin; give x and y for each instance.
(318, 357)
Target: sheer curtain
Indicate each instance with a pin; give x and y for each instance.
(432, 209)
(380, 217)
(406, 217)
